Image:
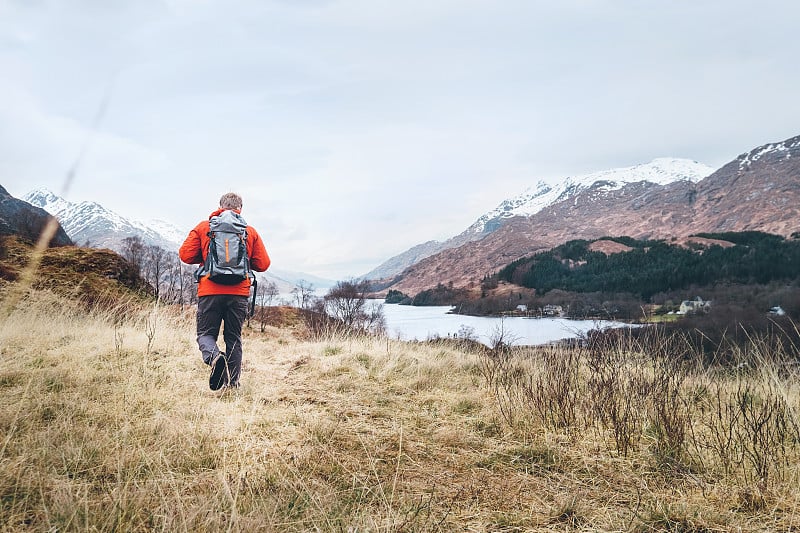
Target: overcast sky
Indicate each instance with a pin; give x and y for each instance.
(355, 129)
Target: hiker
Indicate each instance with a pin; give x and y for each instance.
(226, 299)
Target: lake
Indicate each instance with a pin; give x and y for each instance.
(407, 322)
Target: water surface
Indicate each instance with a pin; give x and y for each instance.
(407, 322)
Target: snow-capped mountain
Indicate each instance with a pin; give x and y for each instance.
(776, 150)
(660, 171)
(757, 191)
(167, 230)
(89, 223)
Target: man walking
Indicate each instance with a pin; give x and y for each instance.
(224, 300)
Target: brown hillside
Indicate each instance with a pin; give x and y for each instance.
(759, 190)
(609, 247)
(703, 241)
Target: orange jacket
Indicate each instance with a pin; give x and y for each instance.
(195, 249)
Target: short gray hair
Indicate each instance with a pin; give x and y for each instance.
(230, 200)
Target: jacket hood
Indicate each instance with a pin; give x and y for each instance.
(220, 210)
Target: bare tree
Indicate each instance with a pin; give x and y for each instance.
(185, 280)
(303, 294)
(156, 263)
(502, 339)
(133, 249)
(173, 289)
(347, 302)
(265, 294)
(188, 286)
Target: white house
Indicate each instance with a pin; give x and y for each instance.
(552, 310)
(694, 306)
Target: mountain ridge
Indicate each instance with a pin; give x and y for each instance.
(90, 223)
(534, 199)
(758, 190)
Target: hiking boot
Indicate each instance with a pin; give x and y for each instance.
(219, 372)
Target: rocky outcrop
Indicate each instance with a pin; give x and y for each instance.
(20, 218)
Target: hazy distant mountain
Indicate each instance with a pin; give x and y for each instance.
(89, 223)
(296, 277)
(18, 217)
(759, 190)
(400, 262)
(660, 171)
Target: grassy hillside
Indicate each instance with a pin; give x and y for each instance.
(107, 424)
(92, 276)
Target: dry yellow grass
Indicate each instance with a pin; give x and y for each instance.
(107, 423)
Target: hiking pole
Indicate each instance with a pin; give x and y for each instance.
(253, 284)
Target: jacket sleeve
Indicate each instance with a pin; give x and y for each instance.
(259, 259)
(191, 251)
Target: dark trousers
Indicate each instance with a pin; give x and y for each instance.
(212, 312)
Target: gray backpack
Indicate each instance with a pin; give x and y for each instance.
(227, 262)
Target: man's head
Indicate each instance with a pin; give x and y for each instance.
(231, 200)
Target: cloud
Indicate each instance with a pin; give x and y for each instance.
(358, 129)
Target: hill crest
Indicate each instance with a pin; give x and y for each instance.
(759, 190)
(534, 199)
